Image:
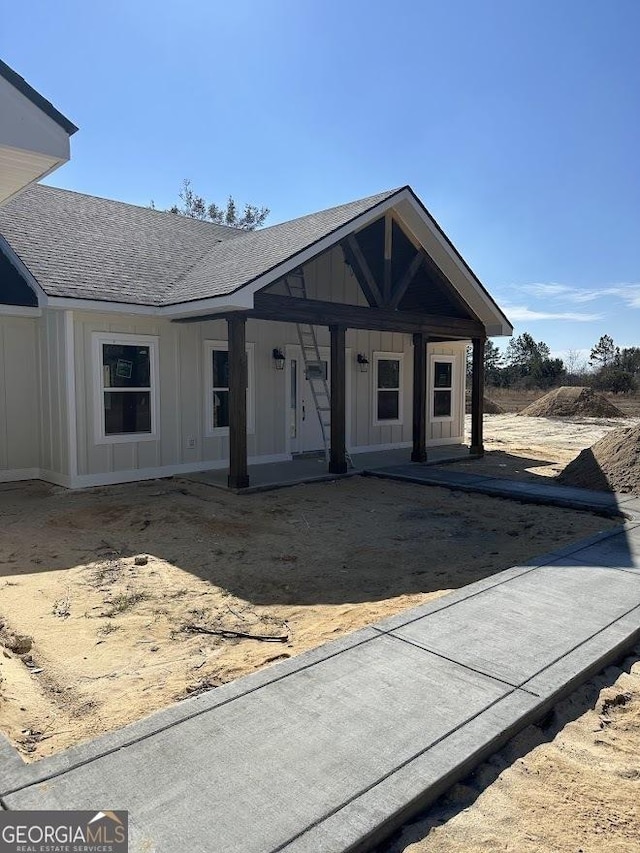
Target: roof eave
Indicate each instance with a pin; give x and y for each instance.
(36, 98)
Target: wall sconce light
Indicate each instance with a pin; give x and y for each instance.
(363, 362)
(278, 358)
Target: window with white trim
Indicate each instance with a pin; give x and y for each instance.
(387, 377)
(216, 374)
(125, 368)
(442, 388)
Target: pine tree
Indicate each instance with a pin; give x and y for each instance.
(605, 353)
(196, 207)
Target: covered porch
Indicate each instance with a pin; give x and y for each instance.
(400, 291)
(312, 468)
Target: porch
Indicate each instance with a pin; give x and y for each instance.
(378, 280)
(312, 468)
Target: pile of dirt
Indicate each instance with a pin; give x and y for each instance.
(611, 464)
(490, 408)
(569, 402)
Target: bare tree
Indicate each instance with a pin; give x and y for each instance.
(575, 365)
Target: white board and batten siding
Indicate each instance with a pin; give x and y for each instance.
(19, 398)
(51, 397)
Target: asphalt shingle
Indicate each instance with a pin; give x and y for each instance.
(84, 247)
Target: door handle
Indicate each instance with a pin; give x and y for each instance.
(303, 412)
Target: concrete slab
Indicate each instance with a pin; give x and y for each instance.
(547, 494)
(10, 759)
(512, 630)
(432, 475)
(226, 780)
(621, 551)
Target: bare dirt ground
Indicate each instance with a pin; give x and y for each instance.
(113, 640)
(528, 448)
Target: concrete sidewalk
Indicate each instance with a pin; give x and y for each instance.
(334, 749)
(545, 492)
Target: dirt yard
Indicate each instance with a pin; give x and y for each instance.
(95, 638)
(529, 448)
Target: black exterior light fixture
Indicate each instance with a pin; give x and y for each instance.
(363, 362)
(278, 358)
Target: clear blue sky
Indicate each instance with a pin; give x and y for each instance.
(517, 123)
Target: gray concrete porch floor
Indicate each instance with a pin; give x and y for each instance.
(334, 749)
(313, 467)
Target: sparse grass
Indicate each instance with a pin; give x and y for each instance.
(123, 602)
(108, 628)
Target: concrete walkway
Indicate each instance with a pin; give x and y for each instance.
(546, 493)
(334, 749)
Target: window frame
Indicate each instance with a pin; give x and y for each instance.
(388, 356)
(211, 346)
(452, 360)
(99, 340)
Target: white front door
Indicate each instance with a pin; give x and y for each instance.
(303, 425)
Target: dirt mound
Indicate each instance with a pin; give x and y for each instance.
(568, 402)
(611, 464)
(490, 408)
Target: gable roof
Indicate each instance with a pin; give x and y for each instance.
(80, 247)
(230, 266)
(84, 247)
(36, 98)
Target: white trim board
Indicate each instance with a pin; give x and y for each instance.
(132, 475)
(70, 390)
(19, 311)
(15, 475)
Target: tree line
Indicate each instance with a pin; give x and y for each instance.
(527, 363)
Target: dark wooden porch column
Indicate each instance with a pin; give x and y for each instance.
(238, 475)
(477, 396)
(338, 451)
(419, 452)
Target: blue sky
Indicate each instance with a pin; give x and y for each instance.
(517, 123)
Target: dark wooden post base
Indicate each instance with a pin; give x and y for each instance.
(419, 450)
(338, 449)
(238, 474)
(477, 397)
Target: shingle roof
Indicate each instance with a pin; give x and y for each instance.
(85, 247)
(231, 265)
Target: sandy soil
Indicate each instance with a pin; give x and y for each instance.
(513, 400)
(113, 640)
(528, 448)
(569, 785)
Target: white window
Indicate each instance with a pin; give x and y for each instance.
(216, 376)
(387, 379)
(442, 368)
(126, 392)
